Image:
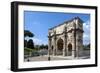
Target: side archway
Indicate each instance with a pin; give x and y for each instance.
(60, 46)
(69, 49)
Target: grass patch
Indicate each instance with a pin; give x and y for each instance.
(27, 51)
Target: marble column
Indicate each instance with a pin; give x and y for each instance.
(55, 49)
(64, 49)
(74, 42)
(73, 49)
(49, 43)
(77, 47)
(65, 41)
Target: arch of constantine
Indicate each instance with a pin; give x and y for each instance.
(66, 39)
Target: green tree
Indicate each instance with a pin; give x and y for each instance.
(25, 43)
(42, 46)
(88, 45)
(30, 44)
(46, 46)
(27, 33)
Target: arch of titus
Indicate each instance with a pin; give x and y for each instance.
(66, 39)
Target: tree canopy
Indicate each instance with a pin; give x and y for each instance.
(27, 33)
(43, 46)
(25, 43)
(30, 44)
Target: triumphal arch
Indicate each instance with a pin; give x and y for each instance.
(66, 39)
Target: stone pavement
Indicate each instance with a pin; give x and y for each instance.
(45, 58)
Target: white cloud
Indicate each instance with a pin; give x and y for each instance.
(86, 35)
(86, 25)
(38, 41)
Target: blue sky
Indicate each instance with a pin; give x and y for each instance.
(39, 23)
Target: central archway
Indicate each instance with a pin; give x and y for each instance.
(60, 47)
(69, 49)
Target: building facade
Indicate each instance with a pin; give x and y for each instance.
(66, 39)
